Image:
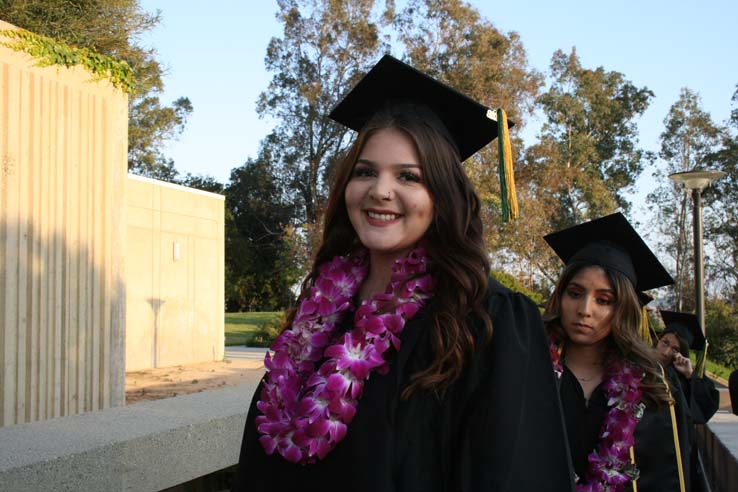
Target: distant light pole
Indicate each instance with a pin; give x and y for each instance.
(697, 181)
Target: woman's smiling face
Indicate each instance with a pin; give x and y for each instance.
(387, 201)
(588, 307)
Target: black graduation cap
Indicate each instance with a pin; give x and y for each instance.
(645, 298)
(470, 124)
(686, 326)
(611, 242)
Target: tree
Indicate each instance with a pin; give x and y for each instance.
(325, 46)
(585, 159)
(721, 226)
(201, 182)
(689, 137)
(451, 41)
(112, 27)
(150, 125)
(261, 260)
(591, 135)
(722, 332)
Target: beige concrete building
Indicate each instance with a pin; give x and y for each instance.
(73, 266)
(63, 167)
(174, 254)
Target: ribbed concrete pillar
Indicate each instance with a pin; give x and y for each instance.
(63, 146)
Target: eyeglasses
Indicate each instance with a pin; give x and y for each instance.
(665, 343)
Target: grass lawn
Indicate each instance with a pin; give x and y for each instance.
(243, 328)
(717, 369)
(713, 367)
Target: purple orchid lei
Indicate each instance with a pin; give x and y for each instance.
(306, 410)
(609, 468)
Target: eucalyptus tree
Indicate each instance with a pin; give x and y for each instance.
(453, 42)
(689, 139)
(324, 47)
(721, 225)
(585, 159)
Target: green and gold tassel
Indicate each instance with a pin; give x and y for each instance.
(645, 329)
(508, 197)
(701, 362)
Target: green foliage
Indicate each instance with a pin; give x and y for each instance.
(266, 334)
(721, 225)
(718, 369)
(150, 126)
(589, 138)
(452, 41)
(514, 284)
(253, 328)
(689, 137)
(722, 331)
(584, 161)
(324, 47)
(712, 368)
(48, 52)
(201, 182)
(261, 265)
(112, 28)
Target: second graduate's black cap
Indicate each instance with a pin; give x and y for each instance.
(611, 242)
(645, 298)
(470, 124)
(686, 326)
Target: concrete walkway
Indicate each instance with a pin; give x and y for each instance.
(242, 352)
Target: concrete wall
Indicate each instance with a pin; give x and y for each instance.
(63, 145)
(148, 446)
(175, 261)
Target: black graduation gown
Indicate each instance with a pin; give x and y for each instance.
(704, 401)
(655, 451)
(498, 428)
(703, 397)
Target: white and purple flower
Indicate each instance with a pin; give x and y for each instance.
(609, 468)
(305, 411)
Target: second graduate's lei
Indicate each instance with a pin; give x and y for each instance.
(609, 468)
(307, 405)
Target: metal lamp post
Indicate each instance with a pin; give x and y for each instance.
(697, 181)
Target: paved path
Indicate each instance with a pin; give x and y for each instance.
(242, 352)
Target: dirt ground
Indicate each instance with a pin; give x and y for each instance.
(165, 382)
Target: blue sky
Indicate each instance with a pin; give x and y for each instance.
(214, 54)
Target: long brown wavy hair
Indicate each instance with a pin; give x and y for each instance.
(624, 341)
(454, 240)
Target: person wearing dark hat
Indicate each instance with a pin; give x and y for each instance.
(404, 367)
(623, 432)
(682, 332)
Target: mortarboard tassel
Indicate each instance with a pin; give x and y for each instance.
(701, 362)
(508, 197)
(645, 329)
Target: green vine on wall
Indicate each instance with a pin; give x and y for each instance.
(48, 52)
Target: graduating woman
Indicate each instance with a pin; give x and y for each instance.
(627, 423)
(405, 367)
(682, 332)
